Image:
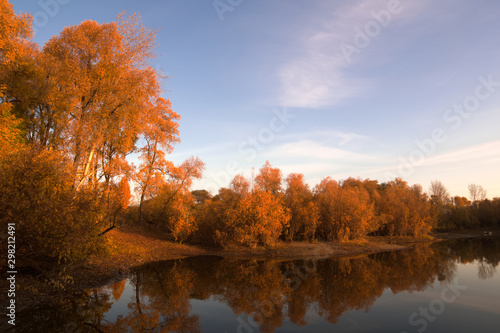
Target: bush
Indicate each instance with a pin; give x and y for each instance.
(230, 220)
(52, 220)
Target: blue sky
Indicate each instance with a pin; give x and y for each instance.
(368, 88)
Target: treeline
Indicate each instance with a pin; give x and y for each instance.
(455, 213)
(270, 207)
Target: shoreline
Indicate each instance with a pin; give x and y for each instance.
(130, 247)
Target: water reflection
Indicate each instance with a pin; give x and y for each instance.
(269, 292)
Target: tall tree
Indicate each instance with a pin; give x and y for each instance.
(94, 94)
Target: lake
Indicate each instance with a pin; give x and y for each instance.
(451, 286)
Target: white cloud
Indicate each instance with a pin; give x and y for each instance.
(336, 137)
(313, 150)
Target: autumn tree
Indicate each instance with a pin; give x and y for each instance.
(459, 216)
(93, 93)
(304, 213)
(240, 186)
(346, 213)
(82, 104)
(461, 201)
(170, 207)
(237, 217)
(257, 219)
(324, 195)
(15, 38)
(201, 196)
(269, 179)
(406, 210)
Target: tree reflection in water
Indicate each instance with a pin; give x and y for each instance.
(269, 291)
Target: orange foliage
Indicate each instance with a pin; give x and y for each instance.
(405, 210)
(258, 218)
(171, 205)
(461, 201)
(10, 133)
(238, 217)
(304, 214)
(240, 186)
(345, 213)
(118, 198)
(15, 31)
(269, 179)
(37, 194)
(92, 93)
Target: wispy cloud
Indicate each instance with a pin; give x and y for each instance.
(317, 77)
(314, 151)
(488, 152)
(335, 137)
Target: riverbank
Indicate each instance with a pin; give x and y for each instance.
(129, 247)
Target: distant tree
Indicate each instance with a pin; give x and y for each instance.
(438, 192)
(240, 186)
(269, 179)
(441, 204)
(237, 217)
(485, 213)
(461, 201)
(345, 213)
(201, 196)
(476, 192)
(259, 218)
(304, 213)
(171, 207)
(405, 210)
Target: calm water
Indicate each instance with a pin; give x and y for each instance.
(448, 287)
